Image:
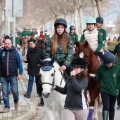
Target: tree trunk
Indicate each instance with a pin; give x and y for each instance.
(81, 21)
(95, 12)
(52, 30)
(98, 7)
(76, 20)
(72, 19)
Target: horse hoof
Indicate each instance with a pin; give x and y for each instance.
(95, 118)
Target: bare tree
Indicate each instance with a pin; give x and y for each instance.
(98, 7)
(39, 12)
(117, 23)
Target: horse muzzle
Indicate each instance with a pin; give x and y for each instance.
(46, 95)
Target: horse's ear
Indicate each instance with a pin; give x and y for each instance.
(52, 60)
(77, 44)
(86, 44)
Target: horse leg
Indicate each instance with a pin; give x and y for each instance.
(96, 110)
(91, 104)
(61, 113)
(99, 100)
(50, 114)
(93, 95)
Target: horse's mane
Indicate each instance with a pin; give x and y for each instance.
(90, 50)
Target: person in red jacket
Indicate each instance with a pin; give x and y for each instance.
(41, 35)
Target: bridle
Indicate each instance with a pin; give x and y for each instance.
(53, 82)
(88, 55)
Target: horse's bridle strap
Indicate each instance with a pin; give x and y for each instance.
(47, 83)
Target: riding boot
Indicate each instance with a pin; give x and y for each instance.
(41, 102)
(105, 115)
(111, 115)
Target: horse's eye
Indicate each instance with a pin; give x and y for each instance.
(52, 74)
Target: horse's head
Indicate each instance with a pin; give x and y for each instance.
(84, 51)
(47, 72)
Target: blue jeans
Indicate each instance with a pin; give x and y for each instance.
(14, 89)
(30, 84)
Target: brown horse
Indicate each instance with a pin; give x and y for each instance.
(24, 45)
(93, 64)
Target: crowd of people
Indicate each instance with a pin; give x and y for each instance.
(62, 46)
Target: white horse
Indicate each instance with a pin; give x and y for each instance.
(51, 75)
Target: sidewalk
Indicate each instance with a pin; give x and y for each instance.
(26, 109)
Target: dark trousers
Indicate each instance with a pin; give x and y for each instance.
(108, 101)
(38, 85)
(118, 99)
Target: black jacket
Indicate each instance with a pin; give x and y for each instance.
(33, 61)
(10, 62)
(74, 88)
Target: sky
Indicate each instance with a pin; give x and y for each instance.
(111, 14)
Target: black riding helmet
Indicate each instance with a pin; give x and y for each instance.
(99, 19)
(78, 62)
(72, 27)
(60, 21)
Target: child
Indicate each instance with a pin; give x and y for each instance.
(60, 45)
(75, 107)
(73, 35)
(92, 35)
(99, 23)
(109, 76)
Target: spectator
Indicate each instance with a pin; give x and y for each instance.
(73, 35)
(10, 57)
(41, 35)
(33, 67)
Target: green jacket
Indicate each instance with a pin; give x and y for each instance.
(35, 32)
(109, 79)
(28, 33)
(100, 41)
(46, 37)
(17, 40)
(74, 37)
(103, 33)
(62, 57)
(19, 33)
(24, 34)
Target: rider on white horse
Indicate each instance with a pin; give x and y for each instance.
(61, 46)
